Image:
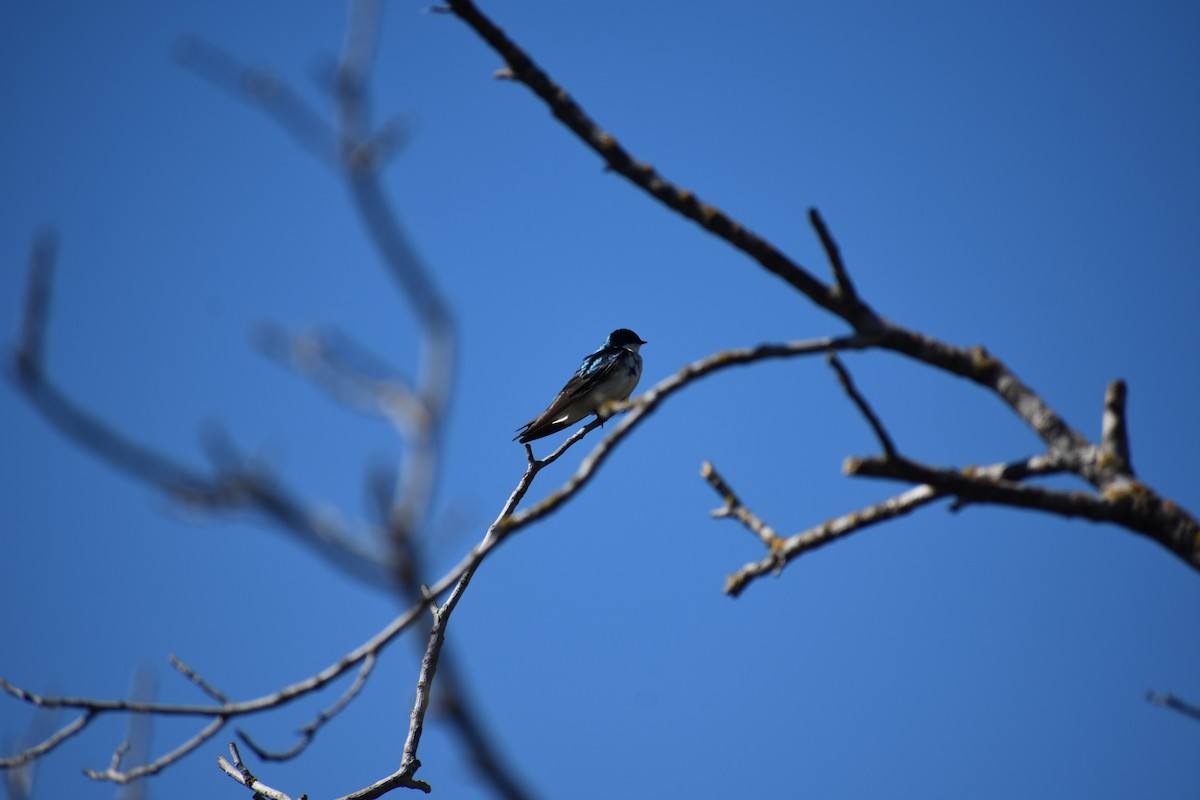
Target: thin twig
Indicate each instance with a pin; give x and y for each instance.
(841, 277)
(195, 678)
(138, 728)
(309, 731)
(36, 311)
(1114, 435)
(1168, 700)
(241, 773)
(735, 508)
(885, 441)
(794, 546)
(119, 777)
(49, 743)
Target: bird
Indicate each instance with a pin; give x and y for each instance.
(610, 373)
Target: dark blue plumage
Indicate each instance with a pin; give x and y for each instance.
(610, 373)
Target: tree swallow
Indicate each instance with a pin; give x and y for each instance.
(610, 373)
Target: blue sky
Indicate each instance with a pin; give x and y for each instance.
(1022, 175)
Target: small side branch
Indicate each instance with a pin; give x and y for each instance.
(31, 346)
(242, 774)
(115, 774)
(881, 433)
(193, 676)
(841, 278)
(797, 545)
(309, 731)
(1114, 433)
(734, 508)
(52, 741)
(1168, 700)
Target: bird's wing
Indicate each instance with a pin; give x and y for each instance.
(593, 370)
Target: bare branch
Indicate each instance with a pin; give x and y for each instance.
(794, 546)
(844, 379)
(234, 490)
(285, 695)
(401, 778)
(734, 508)
(1132, 505)
(616, 158)
(1168, 700)
(484, 755)
(841, 278)
(455, 710)
(195, 678)
(421, 410)
(119, 777)
(241, 773)
(335, 364)
(307, 127)
(826, 532)
(1114, 435)
(138, 729)
(358, 165)
(223, 712)
(36, 312)
(309, 731)
(49, 743)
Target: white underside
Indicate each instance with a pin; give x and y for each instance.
(593, 400)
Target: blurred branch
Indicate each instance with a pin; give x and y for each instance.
(294, 116)
(860, 402)
(39, 739)
(233, 488)
(347, 373)
(1168, 700)
(360, 154)
(734, 508)
(1114, 433)
(417, 412)
(193, 676)
(138, 732)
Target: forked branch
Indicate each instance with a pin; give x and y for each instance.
(1133, 505)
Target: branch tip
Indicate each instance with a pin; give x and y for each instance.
(1114, 432)
(843, 286)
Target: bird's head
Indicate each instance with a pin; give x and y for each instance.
(623, 337)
